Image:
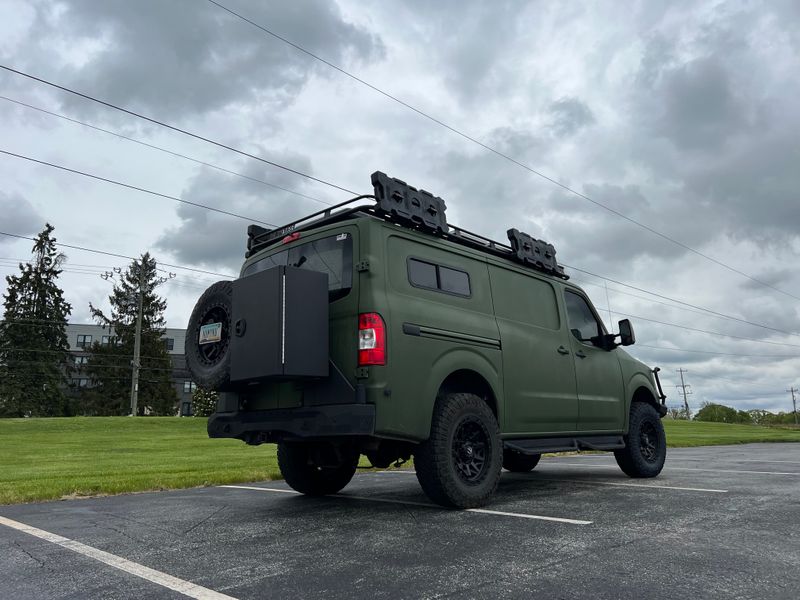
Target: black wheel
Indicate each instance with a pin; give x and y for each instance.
(316, 469)
(645, 445)
(210, 363)
(516, 462)
(459, 464)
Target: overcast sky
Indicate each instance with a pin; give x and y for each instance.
(681, 115)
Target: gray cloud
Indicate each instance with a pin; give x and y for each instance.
(217, 240)
(570, 115)
(182, 57)
(19, 216)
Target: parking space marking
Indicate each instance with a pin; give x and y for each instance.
(168, 581)
(636, 485)
(712, 458)
(737, 471)
(617, 483)
(484, 511)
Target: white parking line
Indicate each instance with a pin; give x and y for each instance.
(168, 581)
(680, 458)
(618, 483)
(636, 485)
(484, 511)
(737, 471)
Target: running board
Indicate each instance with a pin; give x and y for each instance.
(565, 444)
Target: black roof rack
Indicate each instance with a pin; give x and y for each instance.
(398, 202)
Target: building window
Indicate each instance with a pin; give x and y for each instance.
(109, 340)
(170, 344)
(84, 341)
(80, 382)
(81, 360)
(189, 387)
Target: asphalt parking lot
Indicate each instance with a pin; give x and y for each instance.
(720, 522)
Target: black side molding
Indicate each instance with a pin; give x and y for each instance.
(566, 444)
(411, 329)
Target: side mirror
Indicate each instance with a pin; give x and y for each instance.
(626, 335)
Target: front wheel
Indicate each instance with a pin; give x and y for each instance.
(458, 466)
(645, 445)
(316, 469)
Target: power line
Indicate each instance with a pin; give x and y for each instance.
(177, 129)
(719, 353)
(133, 187)
(498, 152)
(687, 328)
(165, 150)
(106, 253)
(657, 295)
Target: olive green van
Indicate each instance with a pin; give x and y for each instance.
(376, 328)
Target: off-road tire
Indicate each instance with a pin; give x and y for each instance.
(305, 477)
(516, 462)
(210, 364)
(645, 445)
(463, 429)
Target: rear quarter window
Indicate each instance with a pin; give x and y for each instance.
(434, 276)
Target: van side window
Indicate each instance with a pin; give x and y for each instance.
(438, 277)
(582, 322)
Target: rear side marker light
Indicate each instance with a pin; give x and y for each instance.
(371, 340)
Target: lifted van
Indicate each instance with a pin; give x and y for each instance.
(374, 327)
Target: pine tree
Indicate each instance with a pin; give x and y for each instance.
(34, 350)
(109, 366)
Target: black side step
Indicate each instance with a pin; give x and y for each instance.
(566, 444)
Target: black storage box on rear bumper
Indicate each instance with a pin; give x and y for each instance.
(280, 323)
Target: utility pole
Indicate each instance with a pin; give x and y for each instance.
(137, 346)
(794, 403)
(685, 390)
(137, 340)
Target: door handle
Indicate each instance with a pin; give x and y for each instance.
(562, 350)
(580, 354)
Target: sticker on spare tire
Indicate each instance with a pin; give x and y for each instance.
(211, 333)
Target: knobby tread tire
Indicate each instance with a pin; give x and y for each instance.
(209, 376)
(630, 458)
(434, 463)
(306, 478)
(516, 462)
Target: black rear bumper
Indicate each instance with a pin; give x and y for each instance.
(259, 426)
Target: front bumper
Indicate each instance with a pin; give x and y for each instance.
(259, 426)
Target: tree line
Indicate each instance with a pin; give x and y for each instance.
(37, 368)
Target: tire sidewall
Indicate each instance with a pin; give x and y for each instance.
(442, 480)
(640, 415)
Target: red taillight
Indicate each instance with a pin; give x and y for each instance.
(291, 237)
(371, 340)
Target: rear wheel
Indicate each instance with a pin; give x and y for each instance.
(645, 445)
(516, 462)
(459, 464)
(316, 469)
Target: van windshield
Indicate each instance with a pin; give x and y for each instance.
(332, 255)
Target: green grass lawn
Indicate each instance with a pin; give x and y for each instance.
(45, 459)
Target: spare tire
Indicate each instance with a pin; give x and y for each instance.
(210, 362)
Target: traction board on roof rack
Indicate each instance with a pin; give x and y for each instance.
(537, 253)
(407, 204)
